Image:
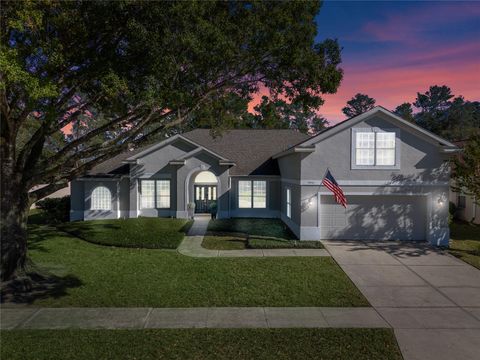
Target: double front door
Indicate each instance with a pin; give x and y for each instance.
(204, 196)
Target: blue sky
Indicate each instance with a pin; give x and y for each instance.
(394, 49)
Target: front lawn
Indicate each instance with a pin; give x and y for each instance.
(341, 344)
(86, 274)
(152, 233)
(465, 242)
(252, 233)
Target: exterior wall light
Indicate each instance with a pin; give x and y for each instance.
(442, 199)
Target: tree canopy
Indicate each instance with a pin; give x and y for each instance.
(443, 113)
(143, 67)
(115, 74)
(279, 114)
(358, 105)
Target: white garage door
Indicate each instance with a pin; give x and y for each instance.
(374, 217)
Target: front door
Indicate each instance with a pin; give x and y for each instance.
(204, 196)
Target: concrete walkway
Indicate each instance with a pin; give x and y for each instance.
(164, 318)
(192, 246)
(430, 298)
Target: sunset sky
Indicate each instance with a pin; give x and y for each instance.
(392, 50)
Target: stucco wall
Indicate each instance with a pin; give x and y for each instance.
(420, 160)
(420, 163)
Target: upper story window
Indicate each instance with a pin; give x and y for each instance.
(374, 149)
(155, 194)
(252, 194)
(101, 199)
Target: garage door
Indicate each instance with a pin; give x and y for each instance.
(374, 217)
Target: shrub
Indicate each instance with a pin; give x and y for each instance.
(272, 243)
(56, 210)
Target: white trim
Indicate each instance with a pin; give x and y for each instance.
(169, 141)
(256, 176)
(99, 179)
(367, 183)
(199, 150)
(294, 150)
(118, 200)
(373, 193)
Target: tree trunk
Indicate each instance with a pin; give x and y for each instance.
(13, 228)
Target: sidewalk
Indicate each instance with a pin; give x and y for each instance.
(165, 318)
(430, 298)
(192, 246)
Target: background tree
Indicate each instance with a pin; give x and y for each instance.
(451, 117)
(358, 105)
(279, 114)
(466, 169)
(142, 69)
(405, 111)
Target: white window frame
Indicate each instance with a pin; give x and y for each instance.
(156, 195)
(288, 198)
(165, 196)
(374, 166)
(252, 195)
(101, 198)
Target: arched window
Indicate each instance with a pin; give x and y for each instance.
(101, 199)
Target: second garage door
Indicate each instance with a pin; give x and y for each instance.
(374, 217)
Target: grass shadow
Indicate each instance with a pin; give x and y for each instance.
(36, 284)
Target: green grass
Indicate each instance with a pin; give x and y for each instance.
(274, 228)
(94, 276)
(151, 233)
(339, 344)
(465, 242)
(224, 241)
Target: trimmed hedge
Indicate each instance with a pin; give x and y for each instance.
(269, 243)
(55, 210)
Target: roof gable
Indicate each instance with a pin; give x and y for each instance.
(389, 116)
(250, 149)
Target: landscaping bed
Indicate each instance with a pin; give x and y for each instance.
(341, 344)
(235, 241)
(251, 233)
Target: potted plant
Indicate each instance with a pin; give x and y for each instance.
(213, 209)
(191, 209)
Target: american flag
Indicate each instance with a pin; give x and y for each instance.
(331, 184)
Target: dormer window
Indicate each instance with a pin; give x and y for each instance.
(374, 148)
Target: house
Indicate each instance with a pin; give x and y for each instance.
(395, 176)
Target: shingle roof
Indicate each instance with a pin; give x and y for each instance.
(250, 149)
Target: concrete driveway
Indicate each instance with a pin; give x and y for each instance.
(430, 298)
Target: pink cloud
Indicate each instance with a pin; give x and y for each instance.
(393, 86)
(408, 26)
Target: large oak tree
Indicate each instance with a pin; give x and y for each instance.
(123, 72)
